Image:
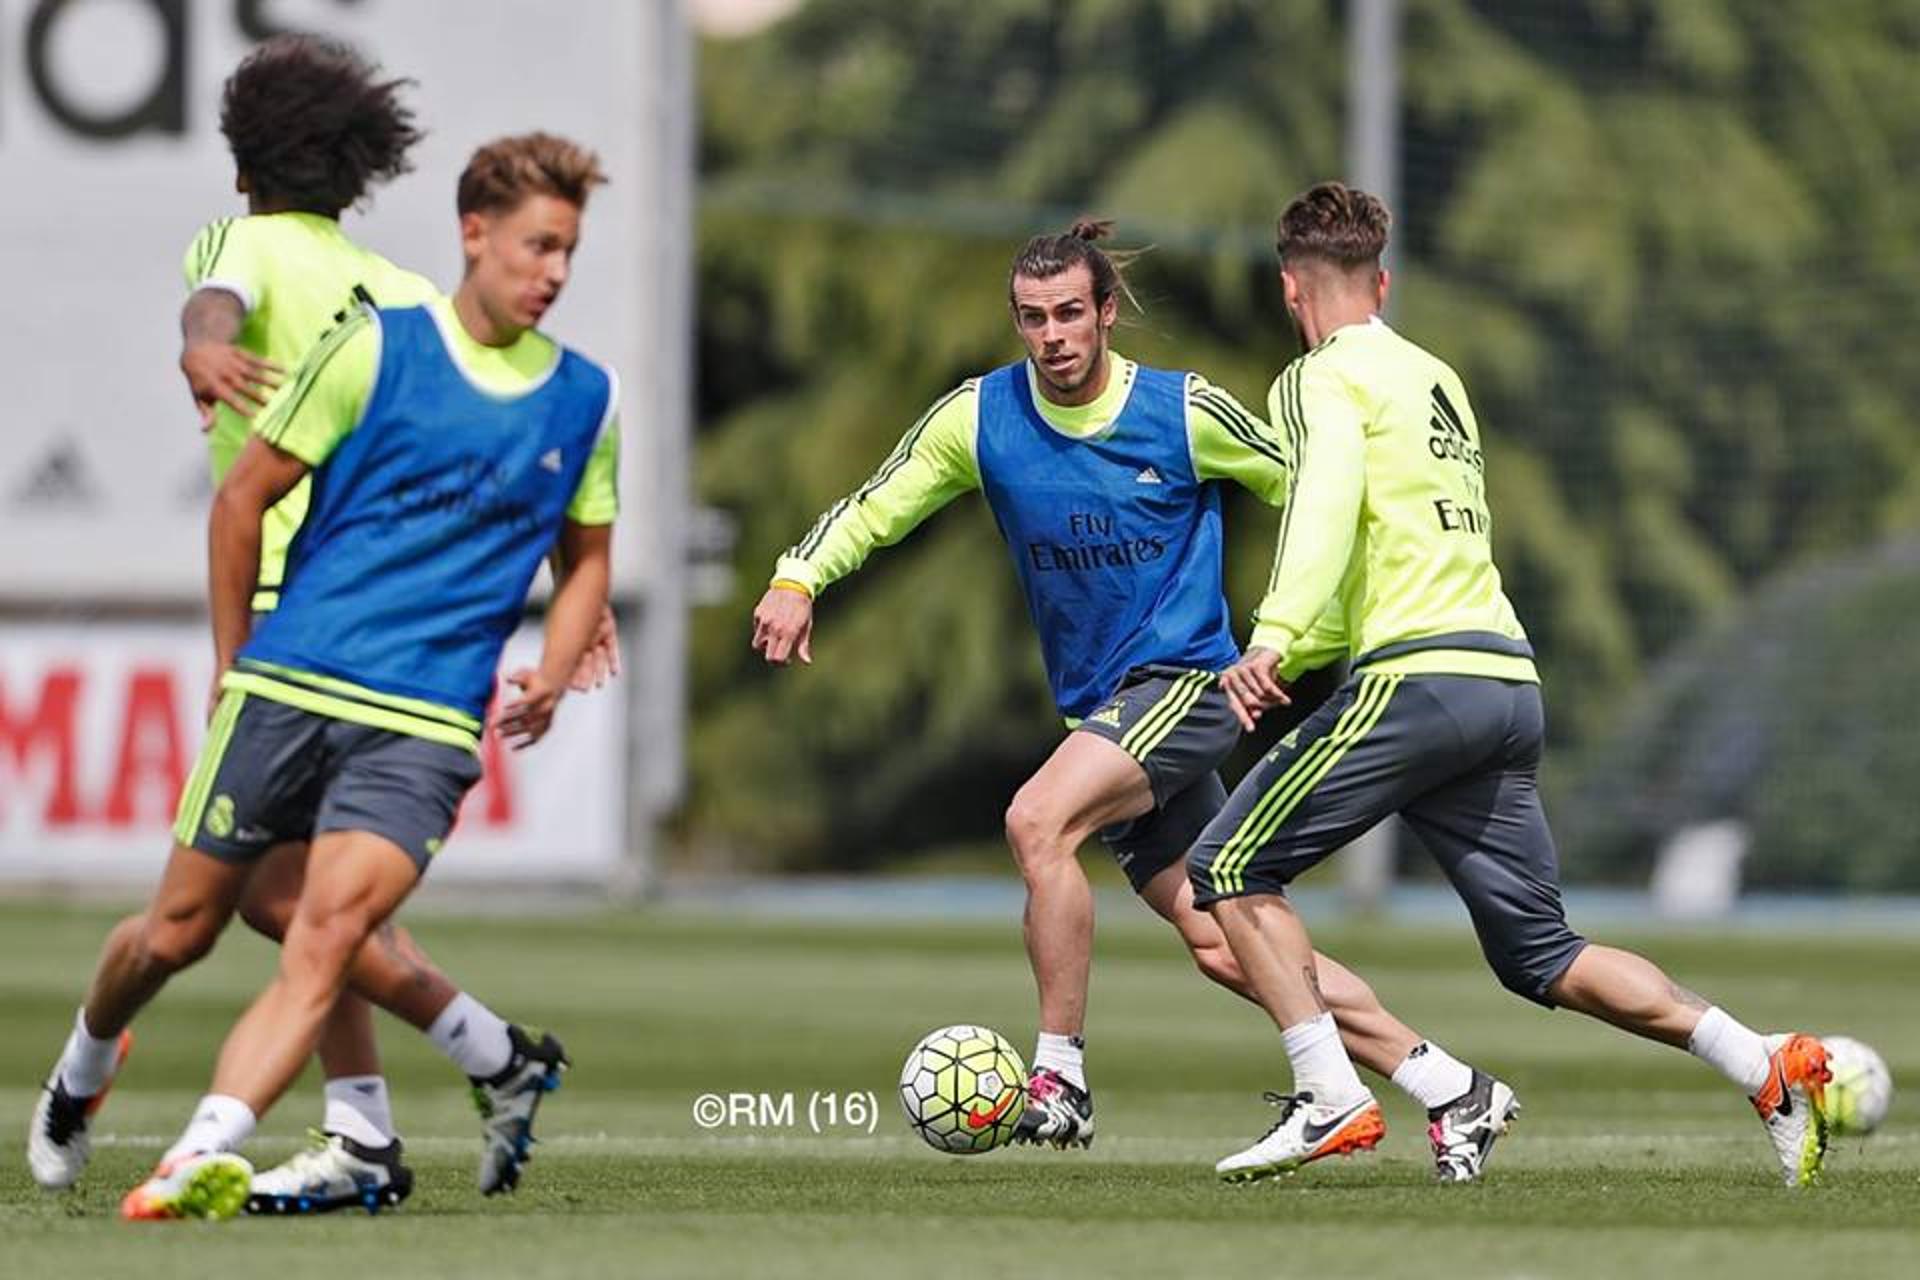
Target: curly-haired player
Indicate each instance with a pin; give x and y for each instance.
(312, 128)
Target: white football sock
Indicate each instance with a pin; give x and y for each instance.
(219, 1123)
(1432, 1076)
(1320, 1064)
(1064, 1055)
(1734, 1050)
(473, 1036)
(87, 1061)
(358, 1108)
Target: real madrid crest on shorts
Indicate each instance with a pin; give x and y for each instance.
(220, 817)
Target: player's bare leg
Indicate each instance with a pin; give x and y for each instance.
(1467, 1109)
(1374, 1037)
(1086, 784)
(191, 905)
(506, 1066)
(354, 881)
(1330, 1112)
(1785, 1076)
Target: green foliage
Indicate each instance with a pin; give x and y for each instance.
(1796, 716)
(1668, 245)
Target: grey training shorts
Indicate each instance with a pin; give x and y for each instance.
(1457, 757)
(271, 772)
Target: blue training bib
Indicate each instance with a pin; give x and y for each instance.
(430, 519)
(1115, 538)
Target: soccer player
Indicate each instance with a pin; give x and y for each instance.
(311, 129)
(1103, 476)
(1440, 720)
(450, 446)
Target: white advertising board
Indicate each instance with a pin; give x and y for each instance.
(99, 726)
(111, 158)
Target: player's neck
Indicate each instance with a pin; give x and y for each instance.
(259, 205)
(1320, 322)
(480, 326)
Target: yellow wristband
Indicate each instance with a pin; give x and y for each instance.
(788, 584)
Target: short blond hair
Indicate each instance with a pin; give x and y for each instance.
(507, 170)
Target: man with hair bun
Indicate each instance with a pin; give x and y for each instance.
(1387, 526)
(312, 128)
(1103, 476)
(452, 446)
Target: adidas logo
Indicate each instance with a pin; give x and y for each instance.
(551, 460)
(1148, 476)
(1291, 741)
(1107, 715)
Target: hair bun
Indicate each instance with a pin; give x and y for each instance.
(1091, 229)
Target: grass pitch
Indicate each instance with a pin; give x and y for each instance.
(1629, 1160)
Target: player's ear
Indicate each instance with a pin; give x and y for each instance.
(1383, 284)
(473, 234)
(1289, 289)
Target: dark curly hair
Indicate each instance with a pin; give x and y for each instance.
(311, 127)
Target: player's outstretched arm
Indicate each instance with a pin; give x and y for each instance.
(217, 370)
(260, 477)
(783, 625)
(931, 466)
(572, 619)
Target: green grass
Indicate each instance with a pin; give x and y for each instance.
(1630, 1158)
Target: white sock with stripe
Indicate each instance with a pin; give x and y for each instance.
(1432, 1076)
(473, 1036)
(1320, 1063)
(1731, 1048)
(358, 1107)
(1066, 1056)
(220, 1123)
(87, 1061)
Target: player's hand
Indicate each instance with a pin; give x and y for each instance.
(783, 626)
(220, 373)
(1252, 686)
(526, 719)
(601, 662)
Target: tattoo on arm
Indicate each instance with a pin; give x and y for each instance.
(1686, 997)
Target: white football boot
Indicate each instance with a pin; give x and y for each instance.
(1793, 1105)
(1305, 1132)
(334, 1172)
(507, 1103)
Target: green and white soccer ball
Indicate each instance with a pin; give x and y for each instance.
(964, 1088)
(1861, 1089)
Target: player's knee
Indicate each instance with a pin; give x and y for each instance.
(267, 917)
(1534, 971)
(325, 947)
(171, 943)
(1033, 833)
